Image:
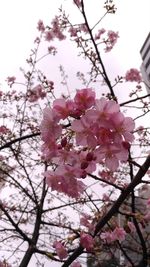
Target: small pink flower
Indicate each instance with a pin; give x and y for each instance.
(100, 32)
(84, 99)
(50, 129)
(107, 237)
(73, 31)
(60, 250)
(49, 36)
(87, 241)
(11, 80)
(119, 234)
(36, 93)
(133, 75)
(85, 220)
(41, 26)
(131, 227)
(61, 108)
(4, 130)
(111, 41)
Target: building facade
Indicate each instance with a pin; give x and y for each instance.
(145, 66)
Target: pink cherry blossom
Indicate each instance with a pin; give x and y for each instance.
(104, 110)
(83, 27)
(87, 241)
(73, 31)
(11, 80)
(123, 126)
(60, 250)
(131, 227)
(84, 134)
(49, 36)
(36, 93)
(107, 237)
(4, 130)
(119, 234)
(111, 41)
(86, 221)
(64, 180)
(50, 129)
(133, 75)
(56, 29)
(100, 32)
(84, 99)
(100, 133)
(76, 264)
(111, 154)
(41, 26)
(62, 108)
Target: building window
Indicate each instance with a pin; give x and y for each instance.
(147, 64)
(146, 52)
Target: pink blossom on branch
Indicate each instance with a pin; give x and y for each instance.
(76, 264)
(97, 133)
(133, 75)
(50, 129)
(87, 241)
(36, 93)
(60, 250)
(41, 26)
(111, 41)
(84, 99)
(65, 181)
(11, 80)
(117, 234)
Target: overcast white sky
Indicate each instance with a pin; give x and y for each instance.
(18, 21)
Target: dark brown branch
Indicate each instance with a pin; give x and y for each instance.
(98, 53)
(21, 138)
(134, 100)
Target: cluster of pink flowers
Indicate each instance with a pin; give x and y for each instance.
(117, 234)
(4, 130)
(56, 31)
(133, 75)
(97, 133)
(11, 80)
(41, 26)
(87, 222)
(36, 93)
(111, 41)
(75, 30)
(100, 33)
